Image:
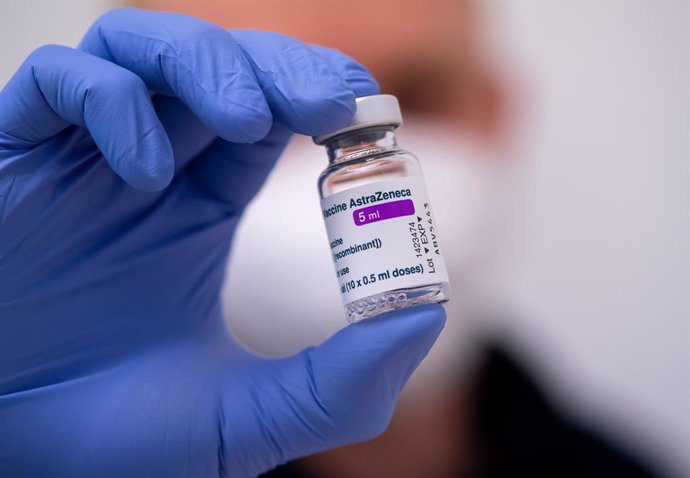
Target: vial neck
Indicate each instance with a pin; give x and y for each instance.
(365, 141)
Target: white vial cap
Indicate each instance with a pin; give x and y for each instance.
(374, 110)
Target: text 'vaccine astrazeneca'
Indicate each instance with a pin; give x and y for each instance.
(383, 237)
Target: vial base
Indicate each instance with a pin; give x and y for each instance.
(396, 299)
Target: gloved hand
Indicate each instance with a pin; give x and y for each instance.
(117, 209)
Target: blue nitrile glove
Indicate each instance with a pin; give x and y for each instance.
(116, 215)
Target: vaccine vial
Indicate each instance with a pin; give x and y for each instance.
(380, 225)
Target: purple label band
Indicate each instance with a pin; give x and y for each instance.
(381, 212)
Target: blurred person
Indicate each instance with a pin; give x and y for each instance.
(445, 424)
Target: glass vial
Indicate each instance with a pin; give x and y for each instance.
(382, 233)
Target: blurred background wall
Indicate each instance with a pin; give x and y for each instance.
(25, 25)
(592, 101)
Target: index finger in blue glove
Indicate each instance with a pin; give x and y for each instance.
(196, 61)
(341, 392)
(310, 89)
(57, 86)
(358, 78)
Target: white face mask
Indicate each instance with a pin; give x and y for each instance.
(282, 294)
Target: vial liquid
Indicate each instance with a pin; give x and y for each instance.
(380, 225)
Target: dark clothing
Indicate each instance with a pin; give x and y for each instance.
(520, 432)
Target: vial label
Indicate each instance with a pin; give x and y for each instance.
(383, 237)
